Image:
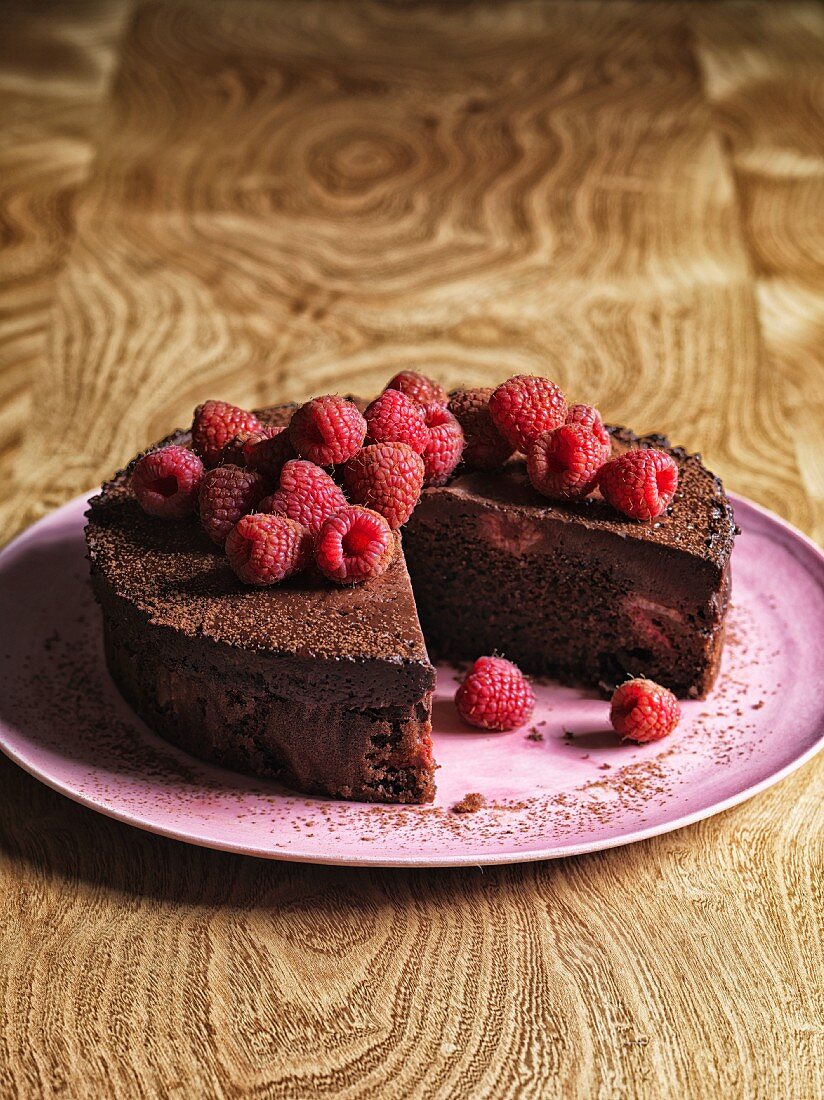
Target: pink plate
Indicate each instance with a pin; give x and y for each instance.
(568, 788)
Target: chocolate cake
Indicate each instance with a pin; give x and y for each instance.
(329, 688)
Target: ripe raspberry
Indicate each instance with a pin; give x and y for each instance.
(327, 430)
(642, 711)
(214, 424)
(444, 447)
(395, 418)
(306, 494)
(226, 494)
(418, 387)
(563, 464)
(484, 448)
(267, 451)
(166, 482)
(640, 483)
(495, 695)
(267, 549)
(387, 477)
(524, 406)
(590, 418)
(354, 545)
(232, 453)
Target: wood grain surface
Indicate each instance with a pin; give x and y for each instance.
(262, 200)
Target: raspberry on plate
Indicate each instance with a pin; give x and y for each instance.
(640, 483)
(445, 444)
(563, 464)
(495, 695)
(418, 387)
(387, 477)
(354, 545)
(526, 405)
(484, 446)
(267, 451)
(166, 482)
(643, 711)
(590, 418)
(395, 418)
(226, 494)
(214, 424)
(264, 549)
(327, 430)
(306, 493)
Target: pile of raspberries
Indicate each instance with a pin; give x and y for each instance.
(333, 486)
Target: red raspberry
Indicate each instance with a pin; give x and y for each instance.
(267, 549)
(214, 424)
(327, 430)
(226, 494)
(495, 695)
(640, 483)
(354, 545)
(418, 387)
(524, 406)
(590, 418)
(484, 448)
(444, 447)
(395, 418)
(563, 464)
(267, 451)
(166, 482)
(387, 477)
(306, 494)
(642, 711)
(232, 453)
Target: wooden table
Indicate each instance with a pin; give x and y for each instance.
(262, 201)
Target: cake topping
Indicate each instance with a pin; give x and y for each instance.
(267, 451)
(640, 483)
(563, 464)
(484, 446)
(214, 424)
(166, 482)
(327, 430)
(265, 549)
(418, 387)
(495, 695)
(387, 477)
(354, 545)
(526, 405)
(642, 711)
(226, 494)
(444, 446)
(590, 418)
(306, 493)
(395, 418)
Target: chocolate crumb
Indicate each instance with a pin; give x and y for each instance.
(534, 735)
(470, 803)
(605, 767)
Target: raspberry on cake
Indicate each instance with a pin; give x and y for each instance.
(590, 418)
(563, 464)
(327, 430)
(418, 387)
(444, 446)
(639, 483)
(387, 477)
(354, 545)
(166, 482)
(265, 550)
(526, 405)
(395, 418)
(226, 494)
(267, 451)
(495, 695)
(484, 446)
(643, 711)
(214, 424)
(306, 493)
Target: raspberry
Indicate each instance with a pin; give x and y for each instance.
(166, 482)
(444, 447)
(354, 545)
(226, 494)
(563, 464)
(387, 477)
(525, 406)
(590, 418)
(232, 453)
(267, 451)
(639, 483)
(214, 424)
(327, 430)
(418, 387)
(268, 549)
(395, 418)
(642, 711)
(484, 448)
(495, 695)
(306, 494)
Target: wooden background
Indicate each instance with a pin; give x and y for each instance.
(261, 201)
